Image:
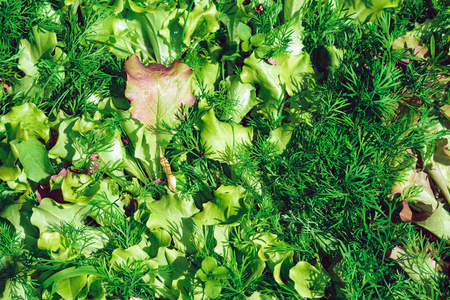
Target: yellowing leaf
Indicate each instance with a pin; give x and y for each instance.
(171, 180)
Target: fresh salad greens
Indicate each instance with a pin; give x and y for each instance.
(224, 149)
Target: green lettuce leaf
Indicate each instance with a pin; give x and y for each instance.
(123, 256)
(281, 136)
(279, 262)
(206, 73)
(145, 148)
(202, 20)
(232, 14)
(44, 46)
(34, 158)
(74, 283)
(291, 8)
(23, 126)
(152, 33)
(32, 120)
(93, 290)
(245, 96)
(309, 281)
(156, 94)
(79, 188)
(292, 75)
(50, 211)
(421, 268)
(50, 215)
(221, 138)
(18, 214)
(368, 11)
(227, 207)
(174, 215)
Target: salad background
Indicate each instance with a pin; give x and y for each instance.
(224, 149)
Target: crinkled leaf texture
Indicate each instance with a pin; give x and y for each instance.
(221, 138)
(200, 22)
(139, 31)
(43, 47)
(50, 213)
(33, 121)
(227, 207)
(310, 282)
(174, 215)
(293, 74)
(24, 124)
(121, 257)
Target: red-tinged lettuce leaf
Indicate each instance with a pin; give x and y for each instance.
(423, 209)
(156, 92)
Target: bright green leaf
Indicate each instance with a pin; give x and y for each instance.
(227, 207)
(244, 32)
(245, 96)
(50, 211)
(309, 281)
(122, 256)
(173, 215)
(257, 39)
(32, 120)
(200, 22)
(368, 11)
(34, 158)
(221, 138)
(281, 137)
(209, 264)
(213, 289)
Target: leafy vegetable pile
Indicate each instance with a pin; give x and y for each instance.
(200, 149)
